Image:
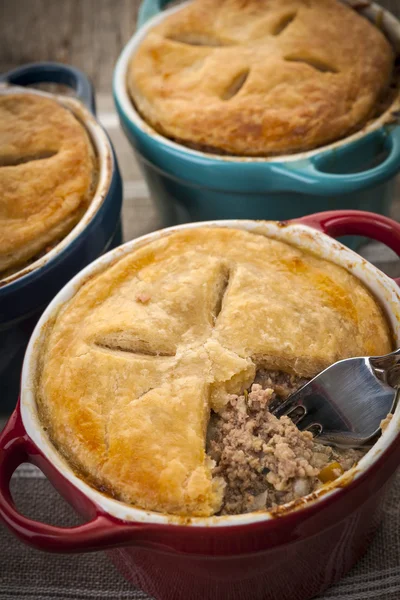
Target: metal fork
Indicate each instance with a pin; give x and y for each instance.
(345, 404)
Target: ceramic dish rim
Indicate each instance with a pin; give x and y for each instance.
(384, 288)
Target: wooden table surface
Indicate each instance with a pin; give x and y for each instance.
(87, 33)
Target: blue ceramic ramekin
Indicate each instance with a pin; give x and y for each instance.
(188, 185)
(24, 295)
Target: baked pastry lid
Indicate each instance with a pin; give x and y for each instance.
(104, 155)
(302, 236)
(310, 163)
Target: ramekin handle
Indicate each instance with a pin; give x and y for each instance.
(52, 72)
(309, 177)
(100, 533)
(338, 223)
(149, 9)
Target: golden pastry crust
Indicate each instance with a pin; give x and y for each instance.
(47, 176)
(137, 358)
(260, 77)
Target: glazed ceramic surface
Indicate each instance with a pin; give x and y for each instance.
(24, 295)
(188, 185)
(293, 553)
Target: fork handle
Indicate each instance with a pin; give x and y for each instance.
(387, 368)
(393, 358)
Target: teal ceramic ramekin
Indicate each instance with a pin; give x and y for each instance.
(189, 185)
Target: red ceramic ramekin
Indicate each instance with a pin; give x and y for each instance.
(292, 554)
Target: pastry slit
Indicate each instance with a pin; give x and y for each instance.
(314, 63)
(141, 351)
(193, 39)
(284, 23)
(14, 161)
(236, 85)
(221, 294)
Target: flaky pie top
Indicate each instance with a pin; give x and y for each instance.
(48, 172)
(260, 77)
(135, 361)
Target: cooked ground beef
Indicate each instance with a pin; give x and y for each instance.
(267, 461)
(282, 384)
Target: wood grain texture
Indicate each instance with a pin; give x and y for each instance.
(86, 33)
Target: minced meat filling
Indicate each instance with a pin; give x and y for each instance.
(267, 461)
